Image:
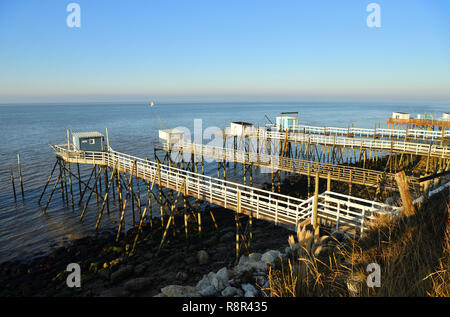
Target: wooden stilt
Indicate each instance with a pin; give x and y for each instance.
(14, 187)
(122, 221)
(20, 176)
(51, 194)
(90, 194)
(46, 184)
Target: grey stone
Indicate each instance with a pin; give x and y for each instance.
(243, 260)
(208, 291)
(190, 260)
(202, 257)
(270, 257)
(223, 276)
(250, 290)
(182, 276)
(230, 291)
(254, 257)
(203, 283)
(122, 273)
(178, 291)
(138, 284)
(226, 237)
(104, 273)
(260, 280)
(140, 269)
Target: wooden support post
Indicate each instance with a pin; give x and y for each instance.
(70, 185)
(90, 194)
(236, 218)
(14, 187)
(108, 185)
(329, 182)
(61, 182)
(316, 201)
(46, 184)
(95, 185)
(66, 192)
(199, 219)
(79, 179)
(20, 175)
(51, 194)
(350, 184)
(402, 183)
(122, 215)
(139, 230)
(87, 184)
(165, 233)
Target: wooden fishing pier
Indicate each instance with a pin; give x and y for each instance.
(341, 211)
(175, 185)
(378, 133)
(335, 172)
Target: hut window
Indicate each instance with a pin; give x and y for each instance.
(91, 141)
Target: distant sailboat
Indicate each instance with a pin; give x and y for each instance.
(152, 104)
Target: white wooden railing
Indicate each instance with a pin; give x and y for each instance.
(280, 209)
(375, 144)
(343, 173)
(366, 132)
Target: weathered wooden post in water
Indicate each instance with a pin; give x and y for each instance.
(20, 175)
(13, 187)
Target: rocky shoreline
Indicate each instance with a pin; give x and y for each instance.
(107, 269)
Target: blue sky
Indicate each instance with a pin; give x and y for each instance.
(221, 50)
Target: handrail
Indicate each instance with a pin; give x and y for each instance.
(356, 175)
(386, 145)
(368, 132)
(279, 208)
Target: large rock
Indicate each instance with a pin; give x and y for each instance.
(121, 273)
(138, 284)
(227, 237)
(270, 257)
(254, 257)
(140, 269)
(203, 283)
(217, 281)
(231, 291)
(182, 276)
(223, 277)
(208, 291)
(202, 257)
(179, 291)
(250, 290)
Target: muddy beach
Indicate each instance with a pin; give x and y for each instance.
(107, 266)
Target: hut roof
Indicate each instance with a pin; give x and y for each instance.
(91, 134)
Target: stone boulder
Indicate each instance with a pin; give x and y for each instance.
(270, 257)
(202, 257)
(179, 291)
(138, 284)
(121, 273)
(231, 291)
(250, 290)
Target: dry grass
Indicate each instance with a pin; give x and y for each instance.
(413, 254)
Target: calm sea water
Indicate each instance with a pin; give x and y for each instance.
(25, 232)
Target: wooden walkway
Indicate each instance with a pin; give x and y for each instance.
(354, 212)
(342, 173)
(417, 134)
(431, 150)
